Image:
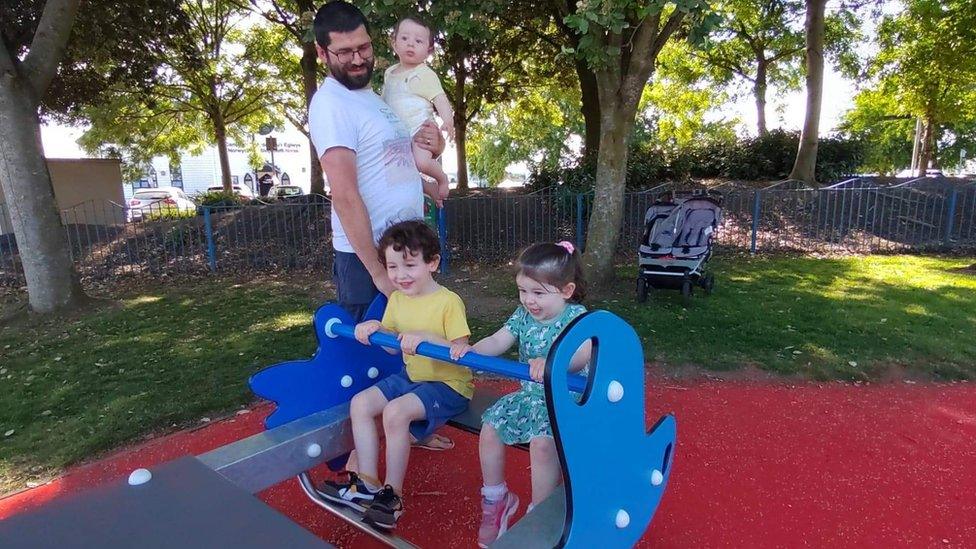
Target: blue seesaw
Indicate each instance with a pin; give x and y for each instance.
(615, 472)
(603, 432)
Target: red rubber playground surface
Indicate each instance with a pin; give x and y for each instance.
(757, 464)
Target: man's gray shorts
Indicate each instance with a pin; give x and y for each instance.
(354, 285)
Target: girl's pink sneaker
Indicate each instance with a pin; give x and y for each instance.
(494, 518)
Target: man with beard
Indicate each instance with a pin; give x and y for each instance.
(367, 158)
(365, 154)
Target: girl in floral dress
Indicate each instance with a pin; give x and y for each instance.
(551, 286)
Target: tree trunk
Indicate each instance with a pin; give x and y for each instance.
(461, 126)
(220, 132)
(309, 64)
(52, 283)
(928, 145)
(590, 96)
(805, 165)
(759, 92)
(461, 137)
(617, 115)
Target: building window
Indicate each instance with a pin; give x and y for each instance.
(234, 180)
(148, 179)
(176, 175)
(285, 180)
(248, 181)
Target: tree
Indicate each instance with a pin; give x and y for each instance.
(297, 76)
(620, 40)
(47, 68)
(927, 61)
(679, 98)
(488, 61)
(758, 41)
(805, 165)
(536, 126)
(212, 88)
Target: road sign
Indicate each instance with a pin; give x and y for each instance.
(270, 144)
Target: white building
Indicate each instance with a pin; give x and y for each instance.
(195, 173)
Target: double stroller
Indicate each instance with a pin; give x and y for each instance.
(677, 242)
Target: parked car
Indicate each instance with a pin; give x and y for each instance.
(149, 201)
(285, 191)
(240, 190)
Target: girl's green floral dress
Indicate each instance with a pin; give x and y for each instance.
(521, 416)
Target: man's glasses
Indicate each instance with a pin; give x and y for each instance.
(365, 53)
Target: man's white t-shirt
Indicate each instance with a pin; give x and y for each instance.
(385, 171)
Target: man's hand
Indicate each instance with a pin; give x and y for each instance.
(409, 342)
(429, 138)
(537, 369)
(366, 329)
(383, 283)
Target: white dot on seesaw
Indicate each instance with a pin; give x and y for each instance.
(139, 476)
(615, 391)
(373, 372)
(346, 381)
(314, 450)
(328, 327)
(656, 477)
(623, 519)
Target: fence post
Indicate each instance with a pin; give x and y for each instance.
(442, 235)
(951, 216)
(756, 204)
(211, 247)
(579, 222)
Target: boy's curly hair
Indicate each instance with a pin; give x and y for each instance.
(412, 236)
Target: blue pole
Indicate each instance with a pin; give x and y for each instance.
(951, 216)
(579, 222)
(442, 235)
(756, 204)
(211, 247)
(491, 364)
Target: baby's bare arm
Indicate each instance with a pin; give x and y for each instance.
(443, 107)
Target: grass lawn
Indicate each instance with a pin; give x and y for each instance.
(168, 356)
(857, 318)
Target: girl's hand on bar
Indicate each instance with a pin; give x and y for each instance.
(537, 369)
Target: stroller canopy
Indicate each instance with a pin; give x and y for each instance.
(683, 229)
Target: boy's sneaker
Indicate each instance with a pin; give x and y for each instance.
(494, 518)
(386, 508)
(353, 493)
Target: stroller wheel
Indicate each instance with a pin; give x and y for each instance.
(686, 290)
(708, 282)
(641, 290)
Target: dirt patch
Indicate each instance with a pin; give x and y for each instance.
(970, 270)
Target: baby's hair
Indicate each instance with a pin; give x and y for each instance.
(412, 236)
(556, 264)
(420, 21)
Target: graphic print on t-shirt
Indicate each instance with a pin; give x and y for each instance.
(398, 161)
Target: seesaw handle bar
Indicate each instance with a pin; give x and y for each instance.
(501, 366)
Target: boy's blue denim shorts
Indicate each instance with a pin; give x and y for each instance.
(440, 401)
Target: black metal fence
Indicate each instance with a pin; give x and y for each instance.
(844, 218)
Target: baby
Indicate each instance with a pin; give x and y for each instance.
(414, 91)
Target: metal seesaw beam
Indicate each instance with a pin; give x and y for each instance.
(269, 457)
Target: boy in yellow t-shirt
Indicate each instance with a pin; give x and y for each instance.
(424, 396)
